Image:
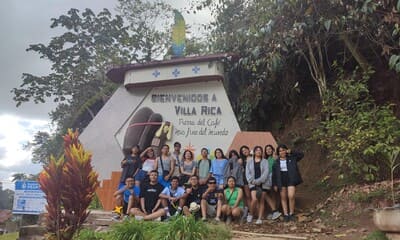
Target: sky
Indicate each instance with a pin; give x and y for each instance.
(24, 22)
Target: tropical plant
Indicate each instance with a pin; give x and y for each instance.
(69, 184)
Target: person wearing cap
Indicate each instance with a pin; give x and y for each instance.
(211, 201)
(128, 194)
(193, 194)
(150, 203)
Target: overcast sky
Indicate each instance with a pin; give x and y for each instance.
(24, 22)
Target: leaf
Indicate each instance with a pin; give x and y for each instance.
(327, 25)
(393, 60)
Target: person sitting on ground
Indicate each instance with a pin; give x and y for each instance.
(148, 164)
(286, 176)
(211, 201)
(203, 167)
(218, 166)
(257, 172)
(128, 195)
(192, 197)
(188, 167)
(234, 168)
(150, 203)
(165, 165)
(233, 209)
(271, 196)
(130, 167)
(171, 197)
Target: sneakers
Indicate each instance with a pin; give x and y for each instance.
(116, 218)
(249, 218)
(275, 215)
(286, 218)
(138, 218)
(259, 222)
(269, 216)
(204, 219)
(217, 219)
(178, 212)
(292, 218)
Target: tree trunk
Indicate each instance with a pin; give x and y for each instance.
(354, 52)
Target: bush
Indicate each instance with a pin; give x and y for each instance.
(178, 228)
(357, 132)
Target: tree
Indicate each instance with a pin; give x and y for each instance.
(23, 177)
(80, 57)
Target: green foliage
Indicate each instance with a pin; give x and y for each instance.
(376, 235)
(9, 236)
(357, 132)
(69, 185)
(181, 228)
(86, 234)
(95, 203)
(367, 197)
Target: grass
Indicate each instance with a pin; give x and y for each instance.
(177, 228)
(376, 235)
(9, 236)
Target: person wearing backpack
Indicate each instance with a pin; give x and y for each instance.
(203, 167)
(234, 169)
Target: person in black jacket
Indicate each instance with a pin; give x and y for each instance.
(285, 177)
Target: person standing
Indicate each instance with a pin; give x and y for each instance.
(218, 167)
(177, 155)
(257, 174)
(203, 167)
(244, 153)
(148, 164)
(234, 168)
(271, 196)
(165, 165)
(286, 176)
(188, 167)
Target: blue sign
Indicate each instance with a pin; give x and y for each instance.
(28, 198)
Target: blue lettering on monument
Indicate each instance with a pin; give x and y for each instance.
(186, 111)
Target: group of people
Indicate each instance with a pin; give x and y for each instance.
(237, 187)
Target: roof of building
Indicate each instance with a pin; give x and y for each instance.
(117, 73)
(252, 139)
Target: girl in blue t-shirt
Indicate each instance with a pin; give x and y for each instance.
(218, 167)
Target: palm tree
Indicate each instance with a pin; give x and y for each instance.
(23, 177)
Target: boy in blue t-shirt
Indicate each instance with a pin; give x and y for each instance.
(130, 195)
